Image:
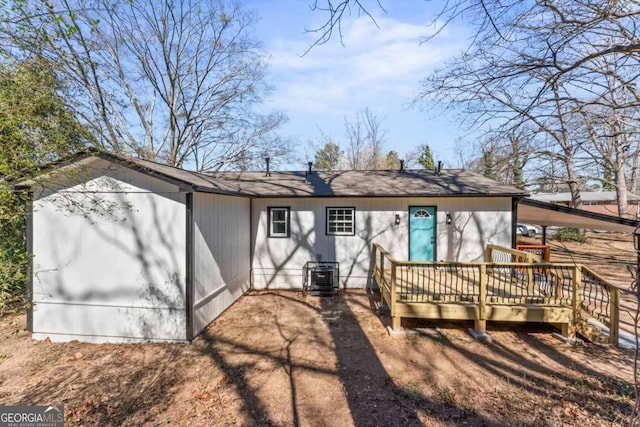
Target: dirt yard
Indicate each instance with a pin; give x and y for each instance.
(279, 359)
(609, 254)
(612, 256)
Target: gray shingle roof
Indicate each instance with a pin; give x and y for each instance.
(188, 179)
(389, 183)
(379, 183)
(199, 180)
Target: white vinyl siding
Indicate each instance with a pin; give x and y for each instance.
(109, 258)
(221, 254)
(277, 263)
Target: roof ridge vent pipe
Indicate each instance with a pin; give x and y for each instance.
(307, 174)
(439, 168)
(267, 160)
(401, 166)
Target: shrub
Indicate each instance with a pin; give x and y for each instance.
(13, 256)
(569, 235)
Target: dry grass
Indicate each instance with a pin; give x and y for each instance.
(275, 358)
(609, 254)
(613, 257)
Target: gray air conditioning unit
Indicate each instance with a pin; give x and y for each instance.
(321, 278)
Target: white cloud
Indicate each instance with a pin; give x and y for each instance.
(374, 64)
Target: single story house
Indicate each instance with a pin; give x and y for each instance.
(128, 250)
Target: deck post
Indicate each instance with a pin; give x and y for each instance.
(381, 263)
(565, 329)
(557, 292)
(614, 315)
(480, 326)
(488, 254)
(530, 282)
(481, 322)
(577, 283)
(395, 319)
(375, 260)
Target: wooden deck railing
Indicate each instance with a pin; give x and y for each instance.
(386, 284)
(543, 251)
(527, 282)
(496, 253)
(597, 297)
(601, 300)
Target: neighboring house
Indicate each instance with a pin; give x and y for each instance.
(130, 250)
(602, 202)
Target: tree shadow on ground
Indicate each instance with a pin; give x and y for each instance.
(372, 397)
(600, 394)
(102, 385)
(279, 358)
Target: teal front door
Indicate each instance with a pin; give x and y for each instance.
(422, 233)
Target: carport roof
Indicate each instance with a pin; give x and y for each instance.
(543, 213)
(586, 196)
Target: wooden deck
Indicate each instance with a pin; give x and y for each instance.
(444, 284)
(492, 291)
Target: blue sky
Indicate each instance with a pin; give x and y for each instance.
(379, 68)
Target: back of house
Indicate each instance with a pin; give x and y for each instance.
(127, 250)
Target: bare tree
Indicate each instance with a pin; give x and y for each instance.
(499, 156)
(464, 153)
(610, 145)
(527, 62)
(365, 141)
(575, 47)
(335, 12)
(362, 149)
(170, 80)
(535, 63)
(634, 157)
(519, 156)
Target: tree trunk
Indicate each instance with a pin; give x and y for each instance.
(633, 186)
(621, 178)
(517, 162)
(621, 194)
(572, 181)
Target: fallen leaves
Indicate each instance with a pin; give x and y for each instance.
(202, 395)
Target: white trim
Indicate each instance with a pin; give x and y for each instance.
(344, 221)
(272, 233)
(423, 214)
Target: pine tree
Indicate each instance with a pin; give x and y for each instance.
(426, 158)
(328, 157)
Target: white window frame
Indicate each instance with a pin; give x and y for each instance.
(287, 211)
(426, 214)
(340, 222)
